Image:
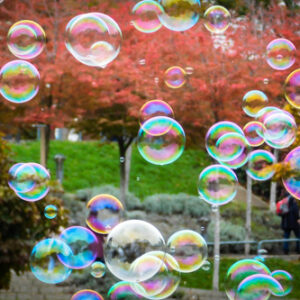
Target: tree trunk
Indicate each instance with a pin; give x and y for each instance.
(216, 249)
(272, 206)
(248, 214)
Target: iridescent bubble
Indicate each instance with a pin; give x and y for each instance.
(50, 211)
(254, 133)
(145, 16)
(217, 184)
(87, 295)
(281, 54)
(292, 88)
(84, 245)
(189, 249)
(239, 161)
(206, 266)
(253, 102)
(161, 140)
(155, 108)
(104, 213)
(44, 262)
(286, 281)
(127, 242)
(98, 269)
(179, 15)
(260, 165)
(123, 291)
(93, 39)
(240, 271)
(26, 39)
(291, 179)
(262, 114)
(175, 77)
(217, 19)
(19, 81)
(22, 177)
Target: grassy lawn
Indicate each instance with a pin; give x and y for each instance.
(90, 164)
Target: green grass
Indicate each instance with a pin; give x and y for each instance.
(90, 164)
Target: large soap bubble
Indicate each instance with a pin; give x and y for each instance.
(87, 295)
(292, 88)
(26, 39)
(122, 291)
(126, 243)
(93, 39)
(286, 281)
(19, 81)
(175, 77)
(253, 102)
(217, 19)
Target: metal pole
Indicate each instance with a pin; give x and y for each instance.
(248, 214)
(272, 206)
(216, 211)
(59, 160)
(43, 145)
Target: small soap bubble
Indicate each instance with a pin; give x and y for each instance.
(50, 211)
(206, 266)
(122, 159)
(98, 269)
(189, 70)
(286, 281)
(142, 62)
(253, 102)
(175, 77)
(216, 19)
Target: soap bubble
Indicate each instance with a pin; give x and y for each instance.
(254, 133)
(206, 266)
(94, 39)
(50, 211)
(127, 242)
(175, 77)
(260, 165)
(217, 184)
(145, 15)
(292, 88)
(281, 54)
(98, 269)
(104, 213)
(217, 19)
(26, 39)
(240, 271)
(87, 295)
(263, 113)
(123, 291)
(179, 15)
(253, 102)
(44, 262)
(286, 281)
(189, 249)
(19, 81)
(155, 108)
(161, 140)
(84, 245)
(291, 179)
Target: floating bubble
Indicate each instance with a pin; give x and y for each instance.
(175, 77)
(94, 39)
(286, 281)
(44, 262)
(189, 249)
(123, 291)
(84, 245)
(19, 81)
(254, 133)
(145, 15)
(206, 266)
(292, 88)
(189, 70)
(104, 213)
(155, 108)
(240, 271)
(263, 113)
(127, 242)
(260, 165)
(281, 54)
(161, 140)
(291, 179)
(253, 102)
(179, 15)
(98, 269)
(26, 39)
(50, 211)
(87, 295)
(217, 184)
(217, 19)
(259, 258)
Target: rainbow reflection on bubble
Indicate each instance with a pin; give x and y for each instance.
(189, 250)
(84, 245)
(175, 77)
(263, 113)
(292, 88)
(286, 281)
(122, 291)
(253, 102)
(44, 262)
(87, 295)
(260, 165)
(50, 211)
(217, 184)
(26, 39)
(291, 179)
(254, 133)
(161, 140)
(216, 19)
(98, 269)
(104, 213)
(19, 81)
(145, 16)
(281, 54)
(238, 162)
